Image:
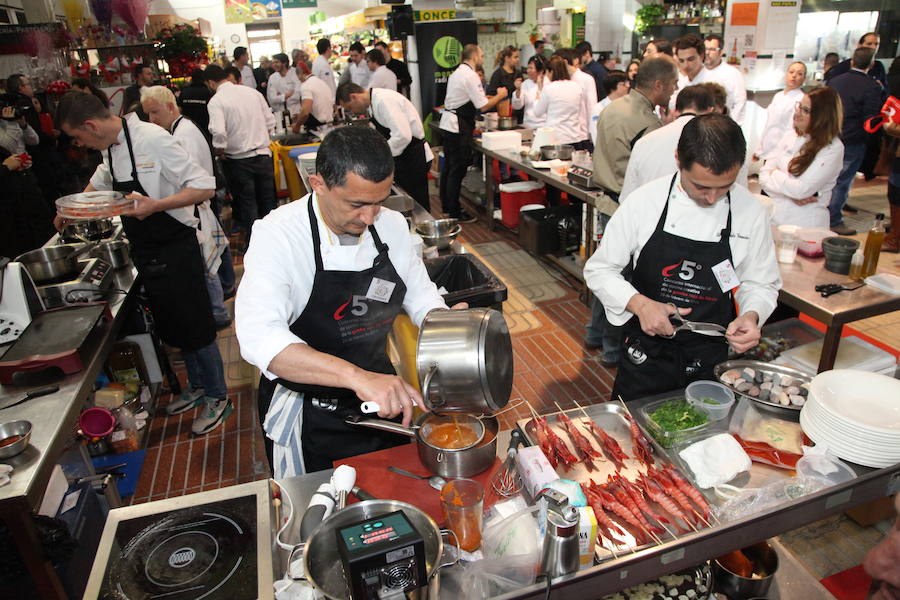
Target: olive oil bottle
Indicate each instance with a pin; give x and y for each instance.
(873, 246)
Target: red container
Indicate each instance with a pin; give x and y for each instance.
(96, 422)
(511, 202)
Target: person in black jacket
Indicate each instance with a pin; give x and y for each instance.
(869, 40)
(404, 80)
(862, 98)
(131, 102)
(26, 222)
(193, 100)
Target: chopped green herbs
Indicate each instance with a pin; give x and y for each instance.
(678, 415)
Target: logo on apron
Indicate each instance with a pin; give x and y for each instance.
(636, 354)
(693, 367)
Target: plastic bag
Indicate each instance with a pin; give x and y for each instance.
(767, 439)
(754, 500)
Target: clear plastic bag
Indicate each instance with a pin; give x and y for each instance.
(767, 439)
(745, 502)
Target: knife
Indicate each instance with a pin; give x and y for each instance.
(34, 394)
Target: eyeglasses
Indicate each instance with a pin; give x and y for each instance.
(804, 109)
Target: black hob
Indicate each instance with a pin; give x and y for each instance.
(207, 551)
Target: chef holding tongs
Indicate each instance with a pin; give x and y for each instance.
(697, 242)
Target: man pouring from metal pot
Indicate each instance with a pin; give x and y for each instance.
(697, 243)
(324, 279)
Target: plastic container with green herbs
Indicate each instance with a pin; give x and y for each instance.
(670, 420)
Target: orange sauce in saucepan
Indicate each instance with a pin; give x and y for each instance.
(451, 436)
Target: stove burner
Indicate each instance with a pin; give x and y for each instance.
(201, 552)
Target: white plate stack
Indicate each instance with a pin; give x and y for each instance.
(856, 415)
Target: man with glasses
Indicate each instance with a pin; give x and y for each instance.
(725, 75)
(696, 242)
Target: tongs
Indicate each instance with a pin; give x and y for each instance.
(830, 289)
(682, 324)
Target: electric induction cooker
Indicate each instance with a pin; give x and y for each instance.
(215, 545)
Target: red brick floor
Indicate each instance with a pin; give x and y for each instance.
(551, 365)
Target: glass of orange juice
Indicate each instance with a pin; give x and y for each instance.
(463, 502)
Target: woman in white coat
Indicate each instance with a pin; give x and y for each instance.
(528, 91)
(779, 114)
(561, 101)
(800, 173)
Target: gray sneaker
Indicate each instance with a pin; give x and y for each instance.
(213, 413)
(186, 401)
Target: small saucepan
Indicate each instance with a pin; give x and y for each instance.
(114, 252)
(446, 462)
(560, 151)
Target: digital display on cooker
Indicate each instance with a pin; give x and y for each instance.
(369, 534)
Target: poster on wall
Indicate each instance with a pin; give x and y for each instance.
(439, 46)
(299, 3)
(247, 11)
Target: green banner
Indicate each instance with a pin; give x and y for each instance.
(299, 3)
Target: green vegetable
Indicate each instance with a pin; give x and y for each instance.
(677, 415)
(708, 401)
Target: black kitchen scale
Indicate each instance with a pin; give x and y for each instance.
(582, 177)
(214, 545)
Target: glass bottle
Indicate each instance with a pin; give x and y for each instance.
(872, 248)
(126, 363)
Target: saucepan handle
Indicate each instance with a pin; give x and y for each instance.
(426, 386)
(388, 426)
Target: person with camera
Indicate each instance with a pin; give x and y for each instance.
(43, 151)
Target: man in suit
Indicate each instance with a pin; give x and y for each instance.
(862, 97)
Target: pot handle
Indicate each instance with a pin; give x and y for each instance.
(449, 532)
(426, 385)
(388, 426)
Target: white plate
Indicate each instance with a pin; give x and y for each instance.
(847, 450)
(869, 400)
(824, 417)
(887, 448)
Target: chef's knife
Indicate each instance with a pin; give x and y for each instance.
(34, 394)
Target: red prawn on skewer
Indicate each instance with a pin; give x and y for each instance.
(671, 489)
(640, 444)
(582, 444)
(610, 503)
(638, 496)
(541, 429)
(605, 525)
(610, 446)
(655, 493)
(689, 490)
(627, 500)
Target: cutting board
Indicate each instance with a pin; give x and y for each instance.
(373, 476)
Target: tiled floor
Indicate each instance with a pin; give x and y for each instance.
(552, 365)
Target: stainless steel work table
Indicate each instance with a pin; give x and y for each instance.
(798, 291)
(53, 418)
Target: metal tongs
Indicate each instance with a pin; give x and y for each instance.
(830, 289)
(682, 324)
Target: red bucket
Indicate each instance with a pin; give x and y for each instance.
(96, 422)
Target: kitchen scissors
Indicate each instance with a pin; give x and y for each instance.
(682, 324)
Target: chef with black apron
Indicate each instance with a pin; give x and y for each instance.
(395, 117)
(465, 97)
(145, 162)
(324, 279)
(698, 243)
(316, 103)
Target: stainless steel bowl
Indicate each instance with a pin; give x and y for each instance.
(115, 253)
(560, 151)
(52, 262)
(14, 428)
(439, 233)
(88, 231)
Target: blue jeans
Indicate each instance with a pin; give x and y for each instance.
(217, 299)
(602, 334)
(205, 369)
(853, 157)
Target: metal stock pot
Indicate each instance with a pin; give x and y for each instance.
(464, 361)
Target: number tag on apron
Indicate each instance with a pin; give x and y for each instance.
(725, 275)
(380, 290)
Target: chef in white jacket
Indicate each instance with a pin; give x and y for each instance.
(283, 90)
(801, 171)
(324, 279)
(528, 91)
(697, 243)
(780, 112)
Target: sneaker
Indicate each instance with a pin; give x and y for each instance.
(212, 414)
(850, 209)
(465, 217)
(186, 401)
(842, 229)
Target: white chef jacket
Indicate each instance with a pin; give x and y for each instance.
(527, 98)
(360, 74)
(463, 85)
(595, 116)
(240, 121)
(732, 80)
(654, 156)
(210, 235)
(279, 267)
(562, 102)
(247, 77)
(752, 248)
(588, 95)
(323, 70)
(394, 110)
(819, 177)
(278, 86)
(382, 77)
(164, 167)
(683, 82)
(779, 120)
(322, 98)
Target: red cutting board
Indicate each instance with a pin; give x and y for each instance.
(373, 476)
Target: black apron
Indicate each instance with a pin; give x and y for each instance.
(465, 117)
(680, 271)
(341, 321)
(167, 256)
(410, 166)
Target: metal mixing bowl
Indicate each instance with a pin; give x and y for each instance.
(439, 232)
(560, 151)
(7, 430)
